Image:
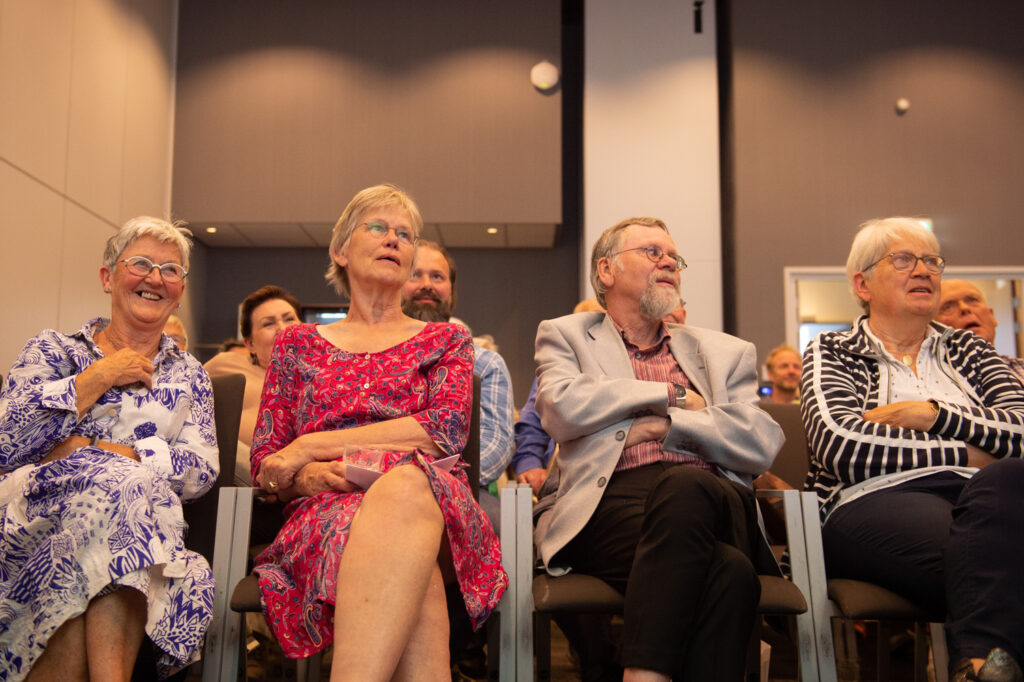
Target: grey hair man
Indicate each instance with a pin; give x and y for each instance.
(962, 305)
(660, 435)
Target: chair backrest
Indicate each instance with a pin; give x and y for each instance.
(471, 453)
(791, 463)
(201, 515)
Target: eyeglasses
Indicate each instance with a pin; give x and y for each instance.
(902, 261)
(656, 253)
(140, 266)
(379, 230)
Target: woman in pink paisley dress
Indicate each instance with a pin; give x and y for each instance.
(367, 570)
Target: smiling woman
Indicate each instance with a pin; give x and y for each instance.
(103, 434)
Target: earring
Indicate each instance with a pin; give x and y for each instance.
(106, 290)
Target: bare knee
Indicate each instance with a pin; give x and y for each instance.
(405, 493)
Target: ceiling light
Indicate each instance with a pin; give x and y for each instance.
(492, 230)
(211, 230)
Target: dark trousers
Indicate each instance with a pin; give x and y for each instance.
(679, 543)
(950, 544)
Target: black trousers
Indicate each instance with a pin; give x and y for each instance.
(950, 544)
(679, 543)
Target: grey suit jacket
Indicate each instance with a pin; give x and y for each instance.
(588, 397)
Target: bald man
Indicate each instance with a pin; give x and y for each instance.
(963, 306)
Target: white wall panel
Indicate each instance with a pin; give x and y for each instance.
(35, 78)
(650, 134)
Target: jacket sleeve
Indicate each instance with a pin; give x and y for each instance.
(573, 404)
(733, 433)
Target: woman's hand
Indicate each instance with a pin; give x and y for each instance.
(316, 477)
(918, 415)
(278, 471)
(123, 368)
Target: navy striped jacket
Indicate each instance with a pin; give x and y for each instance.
(843, 378)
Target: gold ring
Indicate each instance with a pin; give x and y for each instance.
(272, 485)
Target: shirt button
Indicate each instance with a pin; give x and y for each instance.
(112, 412)
(636, 355)
(620, 435)
(601, 481)
(367, 356)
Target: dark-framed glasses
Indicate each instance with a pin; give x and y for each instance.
(379, 229)
(655, 254)
(904, 261)
(140, 266)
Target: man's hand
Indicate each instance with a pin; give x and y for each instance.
(918, 415)
(694, 401)
(535, 477)
(651, 427)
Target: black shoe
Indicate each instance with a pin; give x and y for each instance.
(999, 666)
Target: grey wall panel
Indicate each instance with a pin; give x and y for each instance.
(819, 147)
(285, 110)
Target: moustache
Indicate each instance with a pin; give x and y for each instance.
(426, 293)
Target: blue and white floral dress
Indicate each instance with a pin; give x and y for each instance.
(80, 526)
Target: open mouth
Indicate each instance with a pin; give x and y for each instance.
(149, 296)
(389, 258)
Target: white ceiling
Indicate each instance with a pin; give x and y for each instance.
(451, 235)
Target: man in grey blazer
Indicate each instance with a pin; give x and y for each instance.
(660, 436)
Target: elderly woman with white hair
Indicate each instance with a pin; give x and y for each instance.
(917, 432)
(103, 433)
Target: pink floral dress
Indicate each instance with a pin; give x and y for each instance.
(311, 386)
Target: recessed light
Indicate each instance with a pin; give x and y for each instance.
(211, 230)
(492, 230)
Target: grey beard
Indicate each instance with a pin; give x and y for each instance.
(427, 312)
(656, 303)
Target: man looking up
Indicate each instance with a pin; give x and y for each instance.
(430, 295)
(963, 306)
(660, 435)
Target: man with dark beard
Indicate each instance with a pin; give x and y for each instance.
(429, 295)
(660, 436)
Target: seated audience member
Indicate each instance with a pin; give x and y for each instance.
(903, 414)
(264, 314)
(175, 329)
(660, 435)
(783, 366)
(103, 433)
(963, 306)
(366, 569)
(430, 295)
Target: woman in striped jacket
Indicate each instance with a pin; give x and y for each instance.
(917, 432)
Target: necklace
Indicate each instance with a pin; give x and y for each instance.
(907, 360)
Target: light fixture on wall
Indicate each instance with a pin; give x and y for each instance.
(211, 230)
(902, 106)
(492, 230)
(544, 76)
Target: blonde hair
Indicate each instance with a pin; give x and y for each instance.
(378, 196)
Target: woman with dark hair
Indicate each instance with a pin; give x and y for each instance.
(917, 432)
(264, 314)
(103, 434)
(367, 569)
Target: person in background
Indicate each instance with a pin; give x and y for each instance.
(430, 295)
(916, 432)
(366, 568)
(264, 314)
(233, 345)
(175, 329)
(963, 306)
(783, 368)
(103, 434)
